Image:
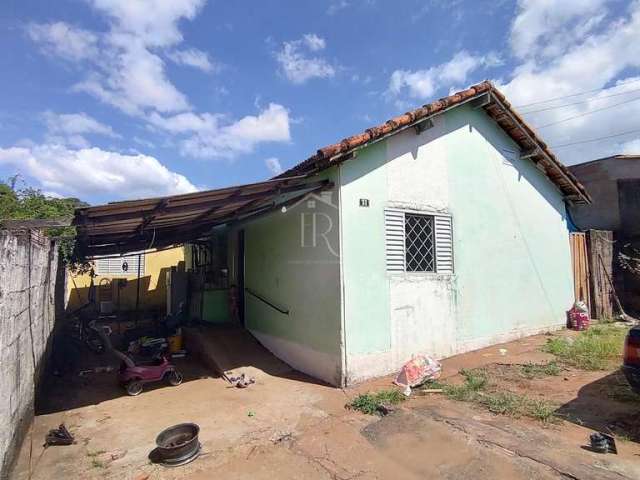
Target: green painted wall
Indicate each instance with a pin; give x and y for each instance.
(511, 250)
(366, 304)
(215, 306)
(510, 240)
(301, 278)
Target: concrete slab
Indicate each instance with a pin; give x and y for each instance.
(288, 426)
(232, 350)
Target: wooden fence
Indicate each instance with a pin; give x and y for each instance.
(592, 258)
(600, 248)
(580, 263)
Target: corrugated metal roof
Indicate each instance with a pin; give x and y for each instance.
(496, 106)
(120, 227)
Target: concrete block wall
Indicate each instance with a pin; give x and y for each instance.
(28, 265)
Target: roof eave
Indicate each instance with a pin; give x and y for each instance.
(336, 153)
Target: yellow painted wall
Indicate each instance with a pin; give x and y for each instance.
(153, 288)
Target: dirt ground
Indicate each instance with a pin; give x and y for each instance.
(287, 425)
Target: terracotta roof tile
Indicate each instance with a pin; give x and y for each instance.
(498, 108)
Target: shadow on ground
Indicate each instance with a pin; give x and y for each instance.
(211, 351)
(608, 405)
(69, 382)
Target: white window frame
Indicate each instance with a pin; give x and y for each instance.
(395, 242)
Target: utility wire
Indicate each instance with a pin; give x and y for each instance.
(576, 94)
(587, 113)
(590, 99)
(590, 140)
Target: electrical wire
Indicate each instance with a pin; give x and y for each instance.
(576, 94)
(587, 113)
(590, 140)
(591, 99)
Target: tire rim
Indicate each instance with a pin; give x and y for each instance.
(134, 388)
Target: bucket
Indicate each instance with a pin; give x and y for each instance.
(175, 342)
(578, 320)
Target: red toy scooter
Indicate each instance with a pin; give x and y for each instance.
(133, 376)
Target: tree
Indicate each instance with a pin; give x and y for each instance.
(30, 203)
(629, 259)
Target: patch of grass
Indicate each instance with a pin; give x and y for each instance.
(474, 381)
(624, 437)
(95, 463)
(95, 453)
(432, 384)
(533, 370)
(370, 403)
(503, 403)
(593, 349)
(515, 405)
(478, 389)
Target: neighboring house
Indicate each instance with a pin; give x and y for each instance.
(116, 282)
(440, 231)
(614, 185)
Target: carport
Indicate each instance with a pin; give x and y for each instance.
(210, 226)
(154, 223)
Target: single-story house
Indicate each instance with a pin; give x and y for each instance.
(440, 231)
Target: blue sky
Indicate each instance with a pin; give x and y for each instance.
(113, 99)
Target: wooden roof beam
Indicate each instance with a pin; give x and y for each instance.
(162, 205)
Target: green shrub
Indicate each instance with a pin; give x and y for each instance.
(477, 389)
(515, 405)
(593, 349)
(533, 370)
(370, 403)
(474, 381)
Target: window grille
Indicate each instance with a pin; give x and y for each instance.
(418, 242)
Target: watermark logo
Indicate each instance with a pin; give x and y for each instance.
(318, 217)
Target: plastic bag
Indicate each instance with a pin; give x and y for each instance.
(580, 306)
(416, 371)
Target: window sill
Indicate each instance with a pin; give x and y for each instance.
(419, 275)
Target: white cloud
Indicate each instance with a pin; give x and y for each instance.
(298, 66)
(601, 54)
(418, 84)
(273, 164)
(144, 142)
(88, 172)
(71, 128)
(64, 40)
(126, 72)
(631, 148)
(336, 6)
(193, 57)
(185, 122)
(213, 136)
(132, 79)
(421, 84)
(313, 42)
(76, 124)
(552, 23)
(154, 23)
